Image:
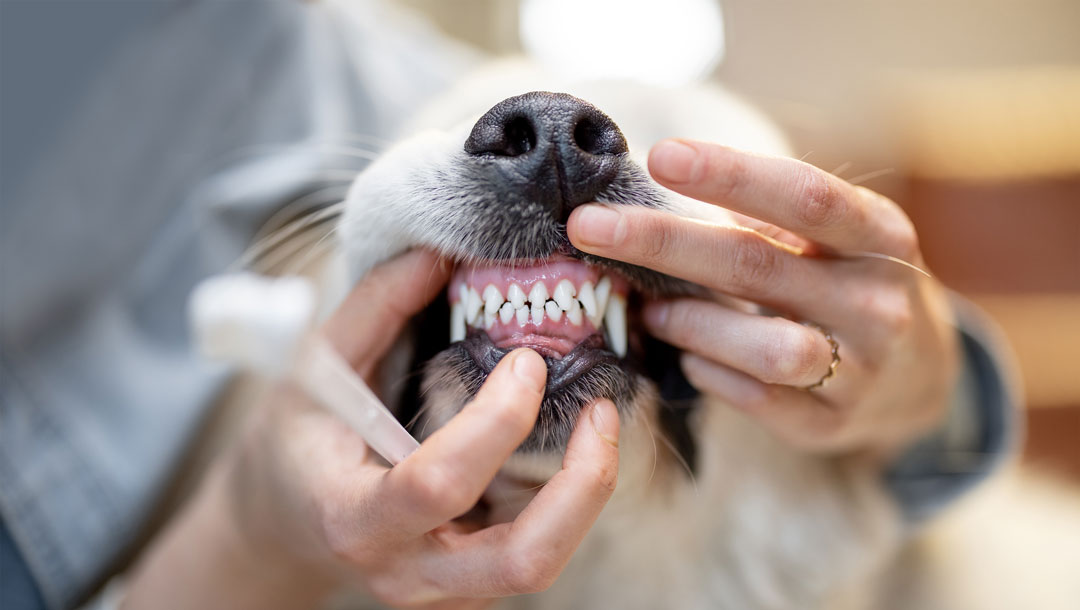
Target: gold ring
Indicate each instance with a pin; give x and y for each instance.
(835, 356)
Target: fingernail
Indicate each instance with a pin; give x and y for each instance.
(529, 367)
(673, 162)
(656, 314)
(605, 420)
(599, 226)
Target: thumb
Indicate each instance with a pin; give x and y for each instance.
(371, 317)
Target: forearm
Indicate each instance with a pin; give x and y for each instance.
(203, 560)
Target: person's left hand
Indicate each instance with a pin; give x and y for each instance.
(792, 225)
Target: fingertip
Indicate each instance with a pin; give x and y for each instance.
(529, 368)
(674, 161)
(593, 226)
(605, 421)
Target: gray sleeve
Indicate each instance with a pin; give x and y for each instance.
(980, 432)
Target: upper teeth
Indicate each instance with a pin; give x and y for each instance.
(595, 303)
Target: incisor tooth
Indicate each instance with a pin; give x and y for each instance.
(522, 314)
(457, 322)
(537, 314)
(472, 307)
(493, 300)
(515, 295)
(588, 302)
(574, 313)
(553, 311)
(506, 313)
(603, 291)
(615, 324)
(489, 320)
(538, 295)
(564, 294)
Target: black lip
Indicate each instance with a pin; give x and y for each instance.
(562, 372)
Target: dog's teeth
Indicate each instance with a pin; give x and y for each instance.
(615, 324)
(553, 311)
(457, 322)
(515, 295)
(588, 302)
(522, 314)
(472, 307)
(463, 292)
(493, 300)
(538, 295)
(537, 312)
(489, 320)
(506, 313)
(574, 314)
(603, 291)
(564, 294)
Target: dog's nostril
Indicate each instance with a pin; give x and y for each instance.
(520, 137)
(598, 139)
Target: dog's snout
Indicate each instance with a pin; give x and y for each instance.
(553, 148)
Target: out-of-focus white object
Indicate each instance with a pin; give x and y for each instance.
(264, 324)
(667, 43)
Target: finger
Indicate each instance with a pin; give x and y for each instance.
(770, 349)
(788, 193)
(526, 556)
(369, 320)
(796, 416)
(728, 259)
(445, 477)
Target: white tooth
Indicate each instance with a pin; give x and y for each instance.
(538, 295)
(493, 300)
(603, 291)
(553, 311)
(506, 312)
(489, 320)
(564, 294)
(537, 314)
(457, 322)
(615, 324)
(588, 302)
(463, 292)
(522, 314)
(574, 313)
(515, 295)
(472, 307)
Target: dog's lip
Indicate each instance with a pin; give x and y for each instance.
(562, 371)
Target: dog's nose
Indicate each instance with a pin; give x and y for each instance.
(552, 148)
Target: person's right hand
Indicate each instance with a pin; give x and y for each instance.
(306, 491)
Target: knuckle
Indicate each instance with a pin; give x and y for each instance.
(818, 202)
(434, 486)
(527, 571)
(660, 239)
(753, 263)
(791, 357)
(893, 310)
(727, 173)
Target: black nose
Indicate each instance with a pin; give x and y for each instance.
(550, 148)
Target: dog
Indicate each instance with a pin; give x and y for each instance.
(710, 511)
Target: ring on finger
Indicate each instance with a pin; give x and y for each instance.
(835, 348)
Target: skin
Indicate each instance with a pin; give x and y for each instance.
(301, 506)
(790, 226)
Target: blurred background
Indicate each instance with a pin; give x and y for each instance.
(966, 112)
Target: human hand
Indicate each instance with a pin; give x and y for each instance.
(792, 227)
(309, 494)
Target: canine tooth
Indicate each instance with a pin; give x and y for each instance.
(538, 295)
(553, 311)
(463, 292)
(493, 300)
(588, 303)
(515, 295)
(615, 323)
(472, 307)
(506, 312)
(564, 294)
(489, 320)
(574, 313)
(457, 322)
(537, 314)
(603, 291)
